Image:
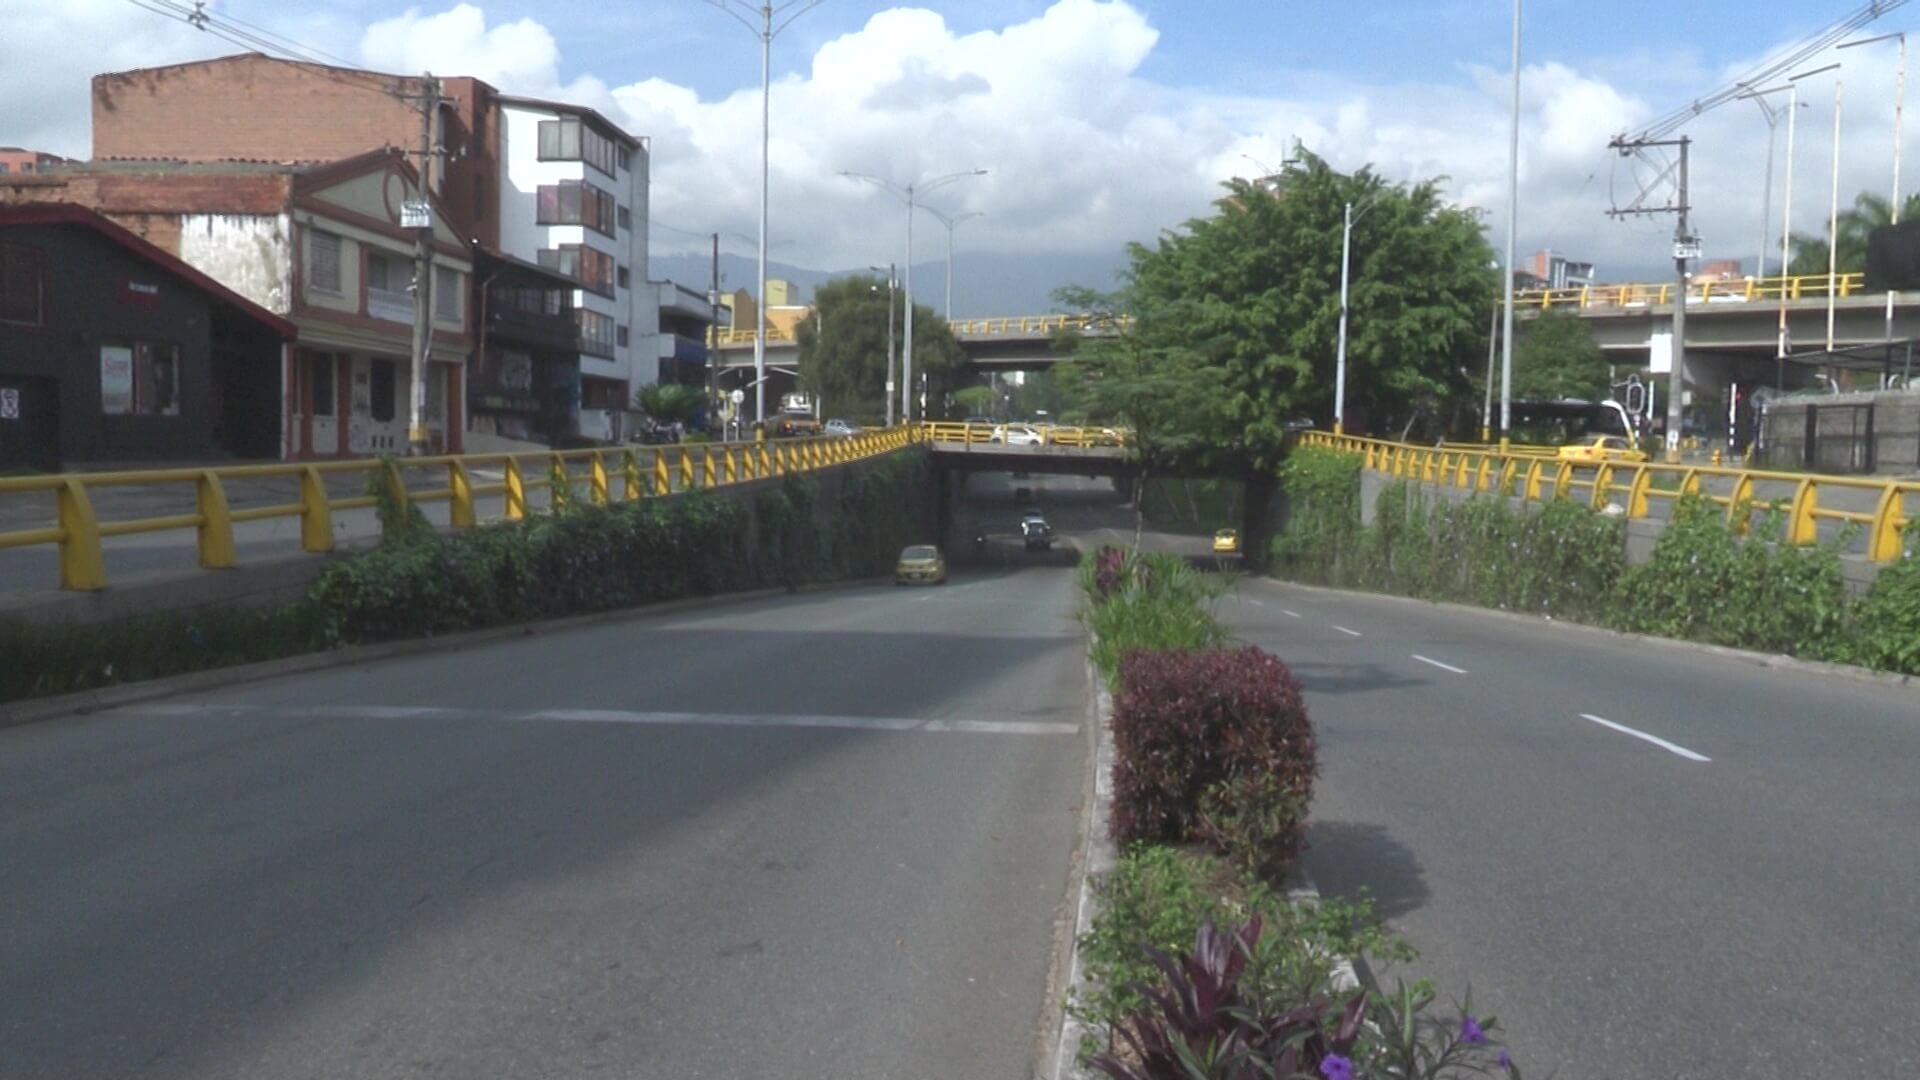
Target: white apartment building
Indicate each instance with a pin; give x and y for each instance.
(573, 197)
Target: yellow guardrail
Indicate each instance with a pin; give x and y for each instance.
(1050, 435)
(1640, 484)
(1624, 297)
(611, 475)
(1007, 326)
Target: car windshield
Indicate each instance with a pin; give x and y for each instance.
(920, 551)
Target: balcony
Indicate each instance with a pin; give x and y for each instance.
(536, 329)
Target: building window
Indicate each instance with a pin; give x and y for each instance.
(569, 139)
(626, 279)
(22, 284)
(323, 261)
(620, 337)
(382, 393)
(596, 332)
(576, 202)
(591, 267)
(320, 385)
(626, 158)
(446, 294)
(3, 168)
(386, 273)
(626, 218)
(139, 378)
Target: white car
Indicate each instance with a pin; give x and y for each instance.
(1017, 435)
(841, 427)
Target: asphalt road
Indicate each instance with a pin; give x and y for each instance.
(1736, 900)
(819, 836)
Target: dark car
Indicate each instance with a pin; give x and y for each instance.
(1037, 534)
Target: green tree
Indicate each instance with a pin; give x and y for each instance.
(668, 403)
(843, 347)
(1855, 224)
(1555, 357)
(975, 400)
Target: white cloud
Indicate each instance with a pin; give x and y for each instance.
(1085, 153)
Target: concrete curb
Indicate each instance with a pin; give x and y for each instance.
(34, 710)
(1772, 661)
(1099, 857)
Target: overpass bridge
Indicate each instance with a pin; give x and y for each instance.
(1002, 343)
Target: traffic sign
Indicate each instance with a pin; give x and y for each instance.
(416, 214)
(737, 396)
(9, 403)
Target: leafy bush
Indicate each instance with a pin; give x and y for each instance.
(46, 659)
(1323, 514)
(1159, 897)
(1205, 1018)
(1145, 602)
(1705, 583)
(1187, 721)
(1886, 622)
(1256, 820)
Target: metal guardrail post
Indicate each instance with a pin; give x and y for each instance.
(316, 513)
(630, 473)
(1562, 480)
(215, 531)
(516, 508)
(460, 512)
(1637, 493)
(1737, 519)
(1536, 470)
(1801, 526)
(396, 485)
(686, 469)
(1883, 539)
(597, 482)
(82, 567)
(709, 469)
(662, 480)
(1602, 486)
(731, 463)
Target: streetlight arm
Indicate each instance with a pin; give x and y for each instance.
(788, 21)
(878, 182)
(723, 5)
(942, 181)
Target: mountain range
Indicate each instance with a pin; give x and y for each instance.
(984, 285)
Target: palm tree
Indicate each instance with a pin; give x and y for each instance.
(1869, 212)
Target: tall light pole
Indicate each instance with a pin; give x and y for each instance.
(911, 193)
(950, 221)
(1833, 221)
(892, 282)
(1340, 357)
(1792, 112)
(1899, 111)
(1513, 218)
(766, 31)
(1772, 115)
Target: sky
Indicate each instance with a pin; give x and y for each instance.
(1099, 121)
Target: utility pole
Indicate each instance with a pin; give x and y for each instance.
(1685, 246)
(713, 337)
(891, 304)
(1513, 224)
(421, 217)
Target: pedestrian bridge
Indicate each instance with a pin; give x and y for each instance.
(1010, 342)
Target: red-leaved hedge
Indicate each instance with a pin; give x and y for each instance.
(1185, 722)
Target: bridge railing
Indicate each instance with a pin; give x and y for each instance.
(1816, 507)
(1628, 297)
(1049, 435)
(468, 485)
(1005, 326)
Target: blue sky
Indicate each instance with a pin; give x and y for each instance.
(1102, 121)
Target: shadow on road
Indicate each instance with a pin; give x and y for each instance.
(1348, 678)
(1346, 858)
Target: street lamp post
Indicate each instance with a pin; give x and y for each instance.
(950, 221)
(1899, 111)
(911, 193)
(1772, 116)
(1340, 356)
(1794, 105)
(891, 282)
(1513, 217)
(766, 31)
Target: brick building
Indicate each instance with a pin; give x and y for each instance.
(321, 245)
(540, 182)
(16, 161)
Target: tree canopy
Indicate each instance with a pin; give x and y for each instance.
(843, 347)
(1235, 316)
(1555, 357)
(1868, 212)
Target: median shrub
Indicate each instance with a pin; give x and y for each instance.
(1145, 602)
(1209, 743)
(1885, 631)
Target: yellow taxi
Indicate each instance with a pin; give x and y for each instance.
(1601, 448)
(1226, 542)
(921, 563)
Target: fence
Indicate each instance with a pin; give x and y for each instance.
(462, 482)
(1815, 506)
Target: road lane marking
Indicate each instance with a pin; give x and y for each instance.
(1344, 630)
(1656, 740)
(1289, 614)
(1256, 601)
(615, 716)
(1438, 664)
